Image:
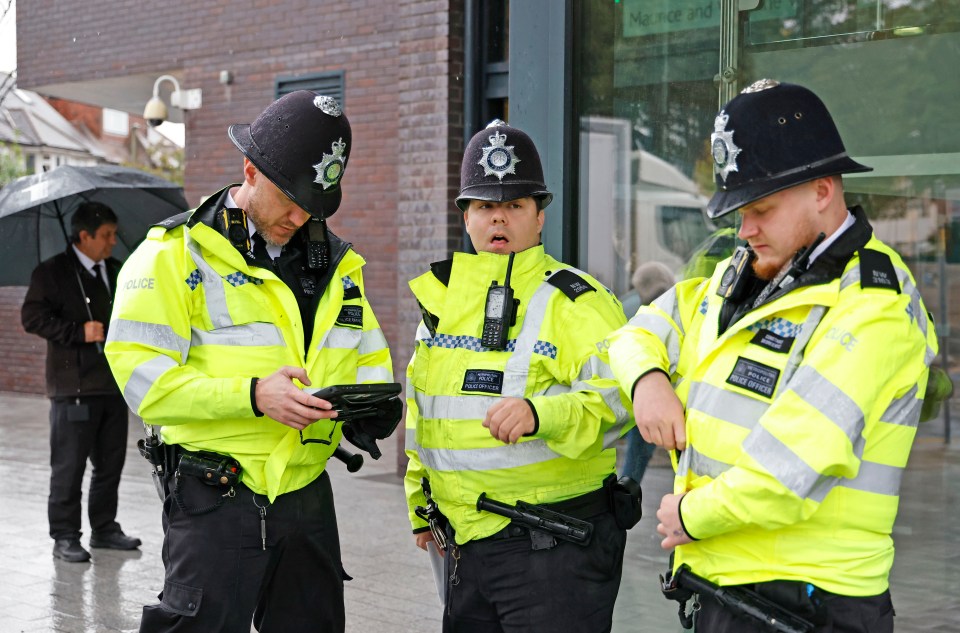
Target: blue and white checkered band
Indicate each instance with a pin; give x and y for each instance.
(348, 283)
(498, 158)
(472, 343)
(328, 105)
(777, 325)
(194, 279)
(723, 148)
(703, 306)
(330, 168)
(238, 279)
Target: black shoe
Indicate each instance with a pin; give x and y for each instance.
(114, 540)
(70, 550)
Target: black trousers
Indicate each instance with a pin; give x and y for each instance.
(220, 578)
(501, 585)
(838, 614)
(94, 428)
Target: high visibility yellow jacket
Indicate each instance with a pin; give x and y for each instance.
(799, 417)
(555, 358)
(194, 322)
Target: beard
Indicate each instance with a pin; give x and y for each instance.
(767, 270)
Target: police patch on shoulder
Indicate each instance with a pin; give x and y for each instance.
(773, 342)
(753, 376)
(570, 284)
(174, 220)
(483, 380)
(351, 315)
(877, 271)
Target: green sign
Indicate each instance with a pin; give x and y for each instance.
(651, 17)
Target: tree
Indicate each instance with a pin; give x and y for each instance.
(11, 163)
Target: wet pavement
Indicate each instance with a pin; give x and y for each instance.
(393, 589)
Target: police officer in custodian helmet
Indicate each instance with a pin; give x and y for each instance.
(791, 379)
(510, 397)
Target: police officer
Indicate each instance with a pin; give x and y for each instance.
(791, 379)
(223, 313)
(509, 394)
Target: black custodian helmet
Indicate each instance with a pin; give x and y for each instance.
(301, 142)
(501, 163)
(770, 137)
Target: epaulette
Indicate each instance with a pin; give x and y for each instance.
(441, 270)
(877, 270)
(174, 221)
(570, 283)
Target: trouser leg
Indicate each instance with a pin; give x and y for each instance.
(70, 442)
(107, 457)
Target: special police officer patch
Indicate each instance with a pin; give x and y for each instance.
(570, 284)
(498, 158)
(483, 380)
(754, 376)
(773, 342)
(330, 167)
(724, 150)
(351, 315)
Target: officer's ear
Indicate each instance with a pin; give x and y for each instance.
(250, 172)
(540, 218)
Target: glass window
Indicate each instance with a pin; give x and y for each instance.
(646, 89)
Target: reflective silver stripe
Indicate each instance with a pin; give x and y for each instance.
(595, 367)
(693, 461)
(905, 410)
(374, 373)
(830, 400)
(877, 478)
(517, 367)
(341, 338)
(246, 335)
(372, 341)
(151, 334)
(611, 397)
(143, 378)
(480, 459)
(667, 302)
(786, 466)
(213, 289)
(660, 327)
(410, 440)
(725, 405)
(453, 407)
(810, 324)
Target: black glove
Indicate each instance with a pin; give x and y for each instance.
(373, 422)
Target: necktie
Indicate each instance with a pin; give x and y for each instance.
(102, 268)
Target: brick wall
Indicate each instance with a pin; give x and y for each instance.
(24, 355)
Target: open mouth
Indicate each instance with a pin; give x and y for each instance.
(499, 239)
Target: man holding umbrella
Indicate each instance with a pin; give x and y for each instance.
(68, 303)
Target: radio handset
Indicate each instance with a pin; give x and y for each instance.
(232, 224)
(318, 246)
(500, 312)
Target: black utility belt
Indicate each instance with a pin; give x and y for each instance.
(211, 468)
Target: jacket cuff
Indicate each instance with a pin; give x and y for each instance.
(680, 515)
(536, 418)
(253, 398)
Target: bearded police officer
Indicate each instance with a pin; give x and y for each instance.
(510, 396)
(222, 314)
(791, 380)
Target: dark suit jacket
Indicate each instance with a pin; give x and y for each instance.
(54, 309)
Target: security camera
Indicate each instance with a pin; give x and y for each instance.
(156, 112)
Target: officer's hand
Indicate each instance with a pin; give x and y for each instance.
(424, 538)
(509, 419)
(659, 412)
(280, 399)
(670, 525)
(93, 332)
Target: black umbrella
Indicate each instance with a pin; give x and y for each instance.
(35, 212)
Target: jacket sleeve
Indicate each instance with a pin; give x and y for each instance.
(43, 310)
(591, 412)
(653, 338)
(415, 468)
(862, 377)
(149, 341)
(374, 363)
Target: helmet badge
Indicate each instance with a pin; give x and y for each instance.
(498, 159)
(722, 147)
(328, 105)
(330, 168)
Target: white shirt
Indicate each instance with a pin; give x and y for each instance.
(94, 268)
